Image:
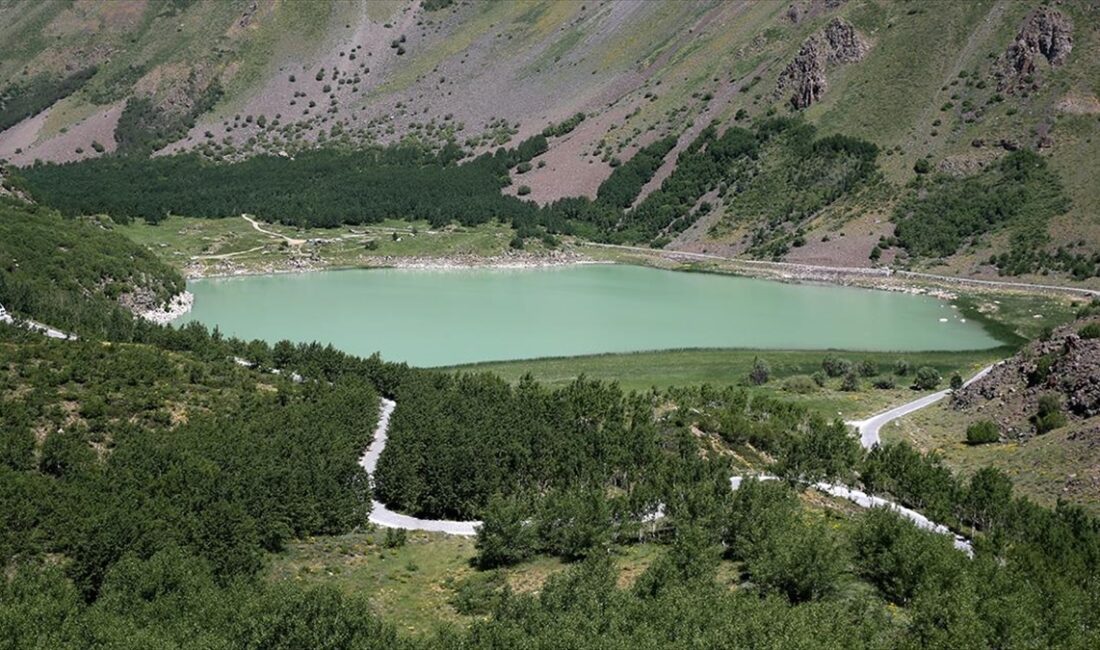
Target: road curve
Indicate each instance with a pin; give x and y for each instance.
(383, 516)
(869, 428)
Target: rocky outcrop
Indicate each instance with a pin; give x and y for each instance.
(1065, 364)
(143, 302)
(1046, 33)
(804, 77)
(844, 43)
(7, 190)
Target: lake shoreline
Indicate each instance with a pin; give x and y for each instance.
(424, 263)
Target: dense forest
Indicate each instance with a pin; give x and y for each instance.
(486, 437)
(1020, 193)
(327, 188)
(19, 101)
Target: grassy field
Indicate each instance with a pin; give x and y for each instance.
(431, 581)
(730, 367)
(1056, 465)
(224, 246)
(428, 582)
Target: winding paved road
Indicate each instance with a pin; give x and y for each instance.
(869, 428)
(383, 516)
(34, 326)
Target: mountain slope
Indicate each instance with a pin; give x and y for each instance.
(955, 84)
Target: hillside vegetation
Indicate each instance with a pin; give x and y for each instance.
(75, 274)
(148, 474)
(946, 87)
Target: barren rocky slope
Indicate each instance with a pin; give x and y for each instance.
(1065, 366)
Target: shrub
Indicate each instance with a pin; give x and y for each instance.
(1041, 371)
(1090, 331)
(523, 167)
(850, 383)
(885, 383)
(922, 166)
(801, 384)
(760, 372)
(982, 432)
(835, 366)
(868, 368)
(1049, 416)
(900, 559)
(901, 367)
(505, 537)
(956, 381)
(523, 190)
(926, 378)
(395, 538)
(819, 378)
(479, 594)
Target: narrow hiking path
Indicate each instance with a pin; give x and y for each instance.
(257, 226)
(383, 516)
(226, 256)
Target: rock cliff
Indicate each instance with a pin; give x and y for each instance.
(1046, 33)
(804, 77)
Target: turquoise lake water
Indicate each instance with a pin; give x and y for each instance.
(444, 317)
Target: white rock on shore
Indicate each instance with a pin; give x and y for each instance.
(179, 305)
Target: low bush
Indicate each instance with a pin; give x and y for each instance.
(835, 366)
(885, 383)
(982, 432)
(1050, 416)
(760, 372)
(926, 378)
(1090, 331)
(800, 384)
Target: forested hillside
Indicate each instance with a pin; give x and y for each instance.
(156, 476)
(75, 274)
(624, 92)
